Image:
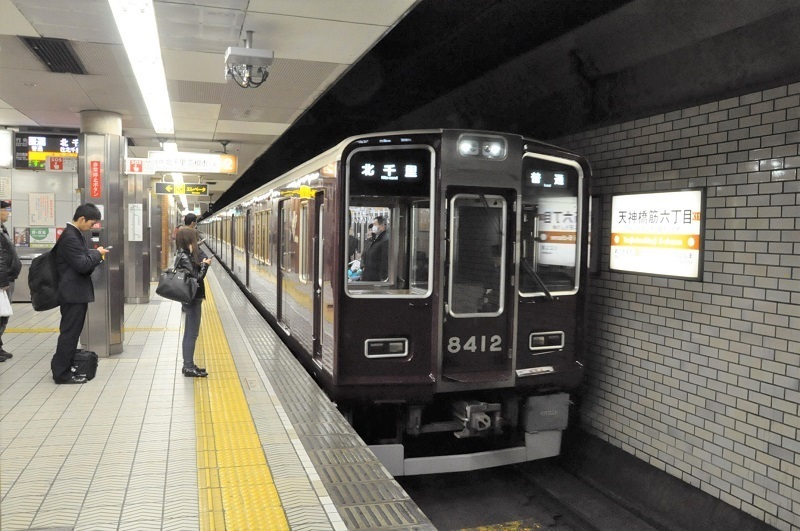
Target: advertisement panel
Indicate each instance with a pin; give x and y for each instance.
(658, 233)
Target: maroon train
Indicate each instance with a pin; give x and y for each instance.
(454, 343)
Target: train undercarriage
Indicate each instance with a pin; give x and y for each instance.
(461, 433)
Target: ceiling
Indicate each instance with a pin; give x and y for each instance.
(314, 42)
(543, 68)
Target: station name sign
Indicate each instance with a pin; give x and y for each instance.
(181, 189)
(658, 233)
(182, 162)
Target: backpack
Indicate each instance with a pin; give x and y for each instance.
(43, 281)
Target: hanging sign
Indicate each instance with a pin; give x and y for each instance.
(181, 189)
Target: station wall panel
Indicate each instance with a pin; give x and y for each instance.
(702, 378)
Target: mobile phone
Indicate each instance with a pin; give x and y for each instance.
(109, 247)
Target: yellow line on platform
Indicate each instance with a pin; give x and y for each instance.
(236, 486)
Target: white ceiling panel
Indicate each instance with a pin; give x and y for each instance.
(13, 22)
(74, 20)
(251, 128)
(312, 39)
(230, 4)
(194, 124)
(198, 28)
(194, 66)
(360, 11)
(13, 117)
(208, 111)
(14, 54)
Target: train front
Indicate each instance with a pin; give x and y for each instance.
(462, 310)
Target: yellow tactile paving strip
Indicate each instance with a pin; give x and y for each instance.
(236, 486)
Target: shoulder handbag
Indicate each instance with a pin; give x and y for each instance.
(5, 305)
(177, 286)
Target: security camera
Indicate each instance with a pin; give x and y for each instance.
(236, 55)
(248, 66)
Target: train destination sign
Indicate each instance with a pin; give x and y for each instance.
(181, 189)
(383, 171)
(32, 149)
(658, 233)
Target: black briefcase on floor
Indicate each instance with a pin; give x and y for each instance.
(84, 363)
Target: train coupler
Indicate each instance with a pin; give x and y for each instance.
(476, 418)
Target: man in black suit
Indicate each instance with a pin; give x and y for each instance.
(75, 290)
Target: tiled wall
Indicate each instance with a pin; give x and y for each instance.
(702, 379)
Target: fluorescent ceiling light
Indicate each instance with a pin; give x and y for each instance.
(136, 22)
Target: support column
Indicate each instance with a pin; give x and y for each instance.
(137, 242)
(101, 181)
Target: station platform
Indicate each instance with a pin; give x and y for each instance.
(255, 446)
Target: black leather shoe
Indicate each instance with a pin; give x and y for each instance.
(194, 372)
(6, 355)
(74, 379)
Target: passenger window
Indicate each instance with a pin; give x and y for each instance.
(388, 245)
(550, 222)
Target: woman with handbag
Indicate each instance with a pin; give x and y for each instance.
(188, 260)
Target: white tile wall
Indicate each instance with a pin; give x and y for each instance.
(702, 379)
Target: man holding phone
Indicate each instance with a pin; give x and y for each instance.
(75, 263)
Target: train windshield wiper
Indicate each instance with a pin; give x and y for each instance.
(523, 262)
(529, 269)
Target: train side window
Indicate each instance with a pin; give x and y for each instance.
(304, 249)
(286, 236)
(420, 245)
(551, 241)
(265, 239)
(393, 184)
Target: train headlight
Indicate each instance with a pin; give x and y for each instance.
(468, 148)
(492, 149)
(483, 146)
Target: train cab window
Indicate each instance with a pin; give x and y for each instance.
(477, 255)
(389, 191)
(550, 221)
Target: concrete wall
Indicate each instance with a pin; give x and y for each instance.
(702, 378)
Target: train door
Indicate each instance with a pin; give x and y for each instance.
(319, 269)
(552, 250)
(477, 326)
(248, 245)
(232, 242)
(284, 258)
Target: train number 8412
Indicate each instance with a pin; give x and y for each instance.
(475, 344)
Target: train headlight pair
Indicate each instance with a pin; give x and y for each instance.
(484, 147)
